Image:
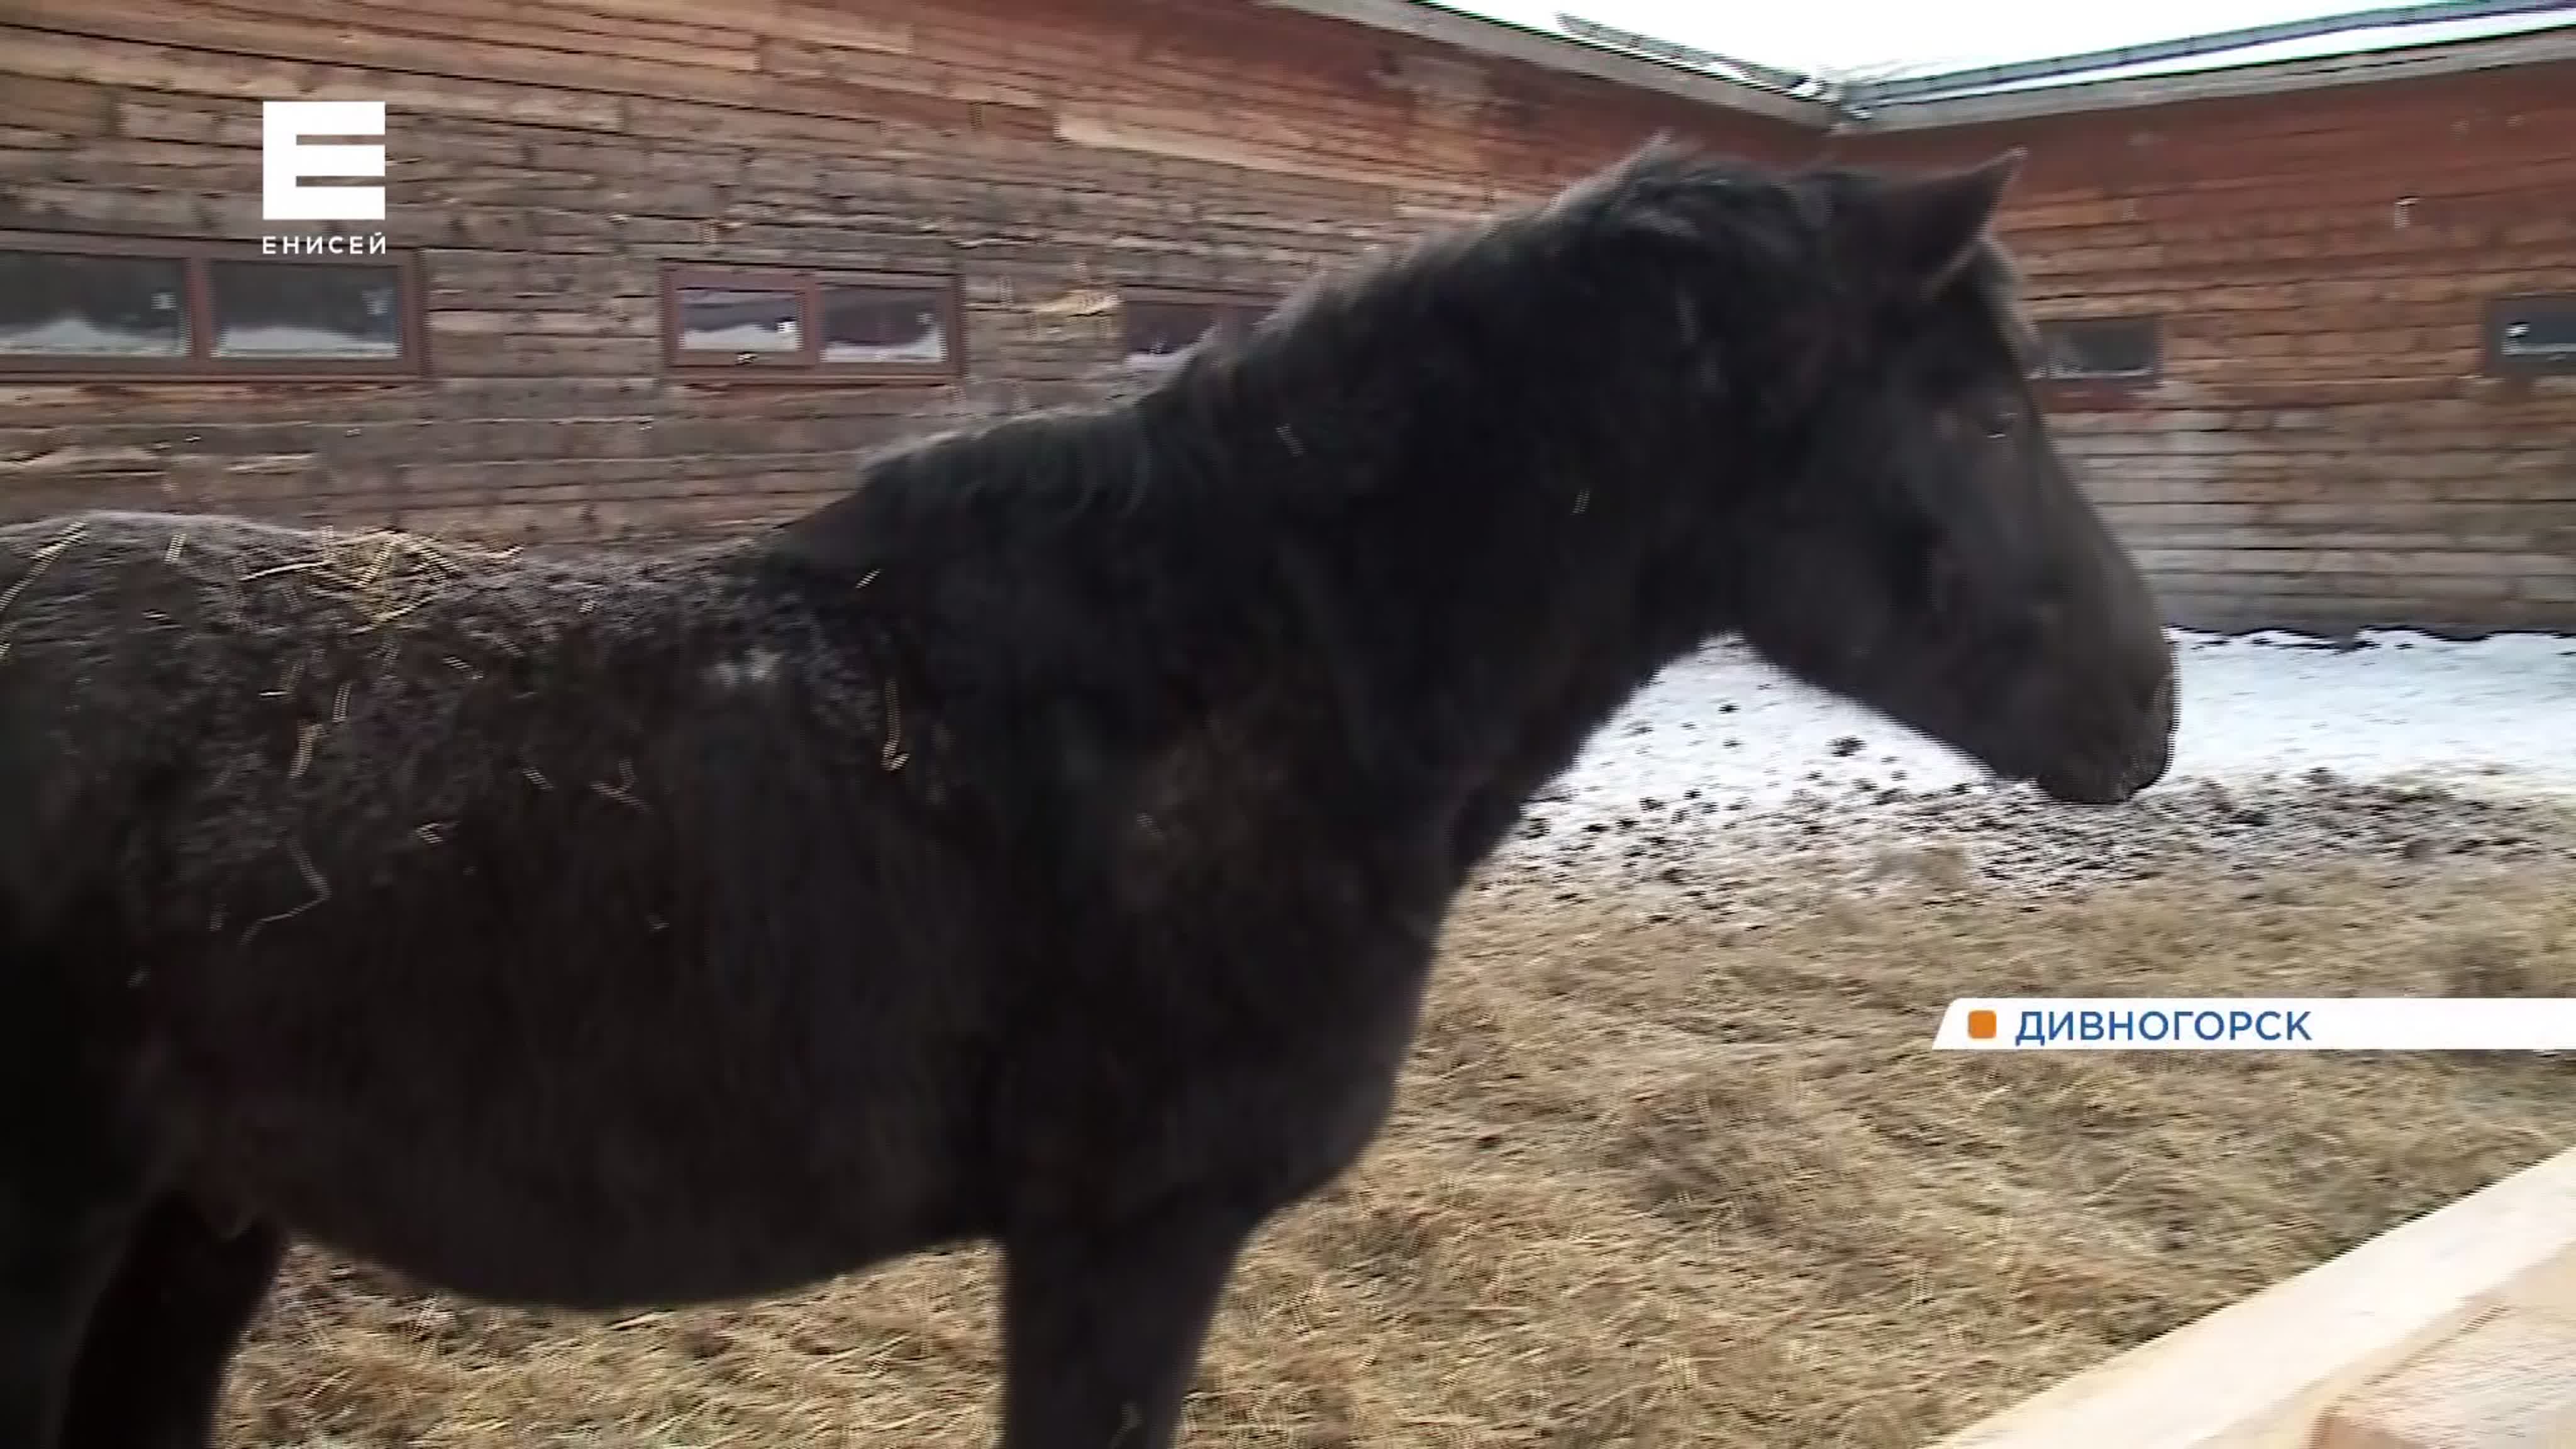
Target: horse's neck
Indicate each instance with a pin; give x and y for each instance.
(1481, 588)
(1443, 551)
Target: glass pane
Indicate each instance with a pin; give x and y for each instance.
(54, 305)
(729, 319)
(2541, 330)
(306, 309)
(1160, 332)
(883, 324)
(2099, 349)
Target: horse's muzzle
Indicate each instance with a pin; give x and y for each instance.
(2111, 774)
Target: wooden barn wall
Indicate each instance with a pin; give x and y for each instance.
(2321, 450)
(546, 161)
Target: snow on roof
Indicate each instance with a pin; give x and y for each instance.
(2317, 46)
(2354, 33)
(2440, 34)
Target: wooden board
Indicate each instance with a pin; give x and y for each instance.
(2264, 1373)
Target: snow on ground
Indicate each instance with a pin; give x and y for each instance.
(2497, 714)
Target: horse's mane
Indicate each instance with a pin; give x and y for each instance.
(1221, 432)
(1996, 280)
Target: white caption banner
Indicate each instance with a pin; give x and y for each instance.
(2325, 1023)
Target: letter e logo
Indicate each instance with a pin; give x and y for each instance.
(287, 159)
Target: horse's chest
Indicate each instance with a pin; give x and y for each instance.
(1260, 1092)
(1324, 1102)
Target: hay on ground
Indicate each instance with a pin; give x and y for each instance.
(1654, 1181)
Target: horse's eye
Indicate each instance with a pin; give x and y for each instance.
(2002, 420)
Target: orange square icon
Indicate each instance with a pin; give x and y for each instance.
(1981, 1025)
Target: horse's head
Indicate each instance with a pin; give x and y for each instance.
(1918, 545)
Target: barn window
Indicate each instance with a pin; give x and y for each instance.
(1160, 327)
(770, 321)
(2530, 335)
(74, 307)
(2091, 349)
(304, 309)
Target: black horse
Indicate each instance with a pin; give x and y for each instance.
(1044, 843)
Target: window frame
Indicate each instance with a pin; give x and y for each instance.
(1227, 301)
(2151, 324)
(196, 256)
(2496, 362)
(807, 363)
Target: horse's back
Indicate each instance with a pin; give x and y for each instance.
(79, 720)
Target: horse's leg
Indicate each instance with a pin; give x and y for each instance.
(151, 1371)
(74, 1177)
(68, 1202)
(1102, 1326)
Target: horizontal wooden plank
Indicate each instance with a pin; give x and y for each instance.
(569, 29)
(2457, 589)
(2321, 516)
(2307, 559)
(145, 64)
(840, 25)
(293, 32)
(66, 108)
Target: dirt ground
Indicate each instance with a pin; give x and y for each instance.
(1674, 1164)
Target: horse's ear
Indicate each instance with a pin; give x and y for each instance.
(1934, 225)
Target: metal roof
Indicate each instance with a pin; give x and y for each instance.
(2355, 33)
(2187, 72)
(1553, 49)
(2375, 44)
